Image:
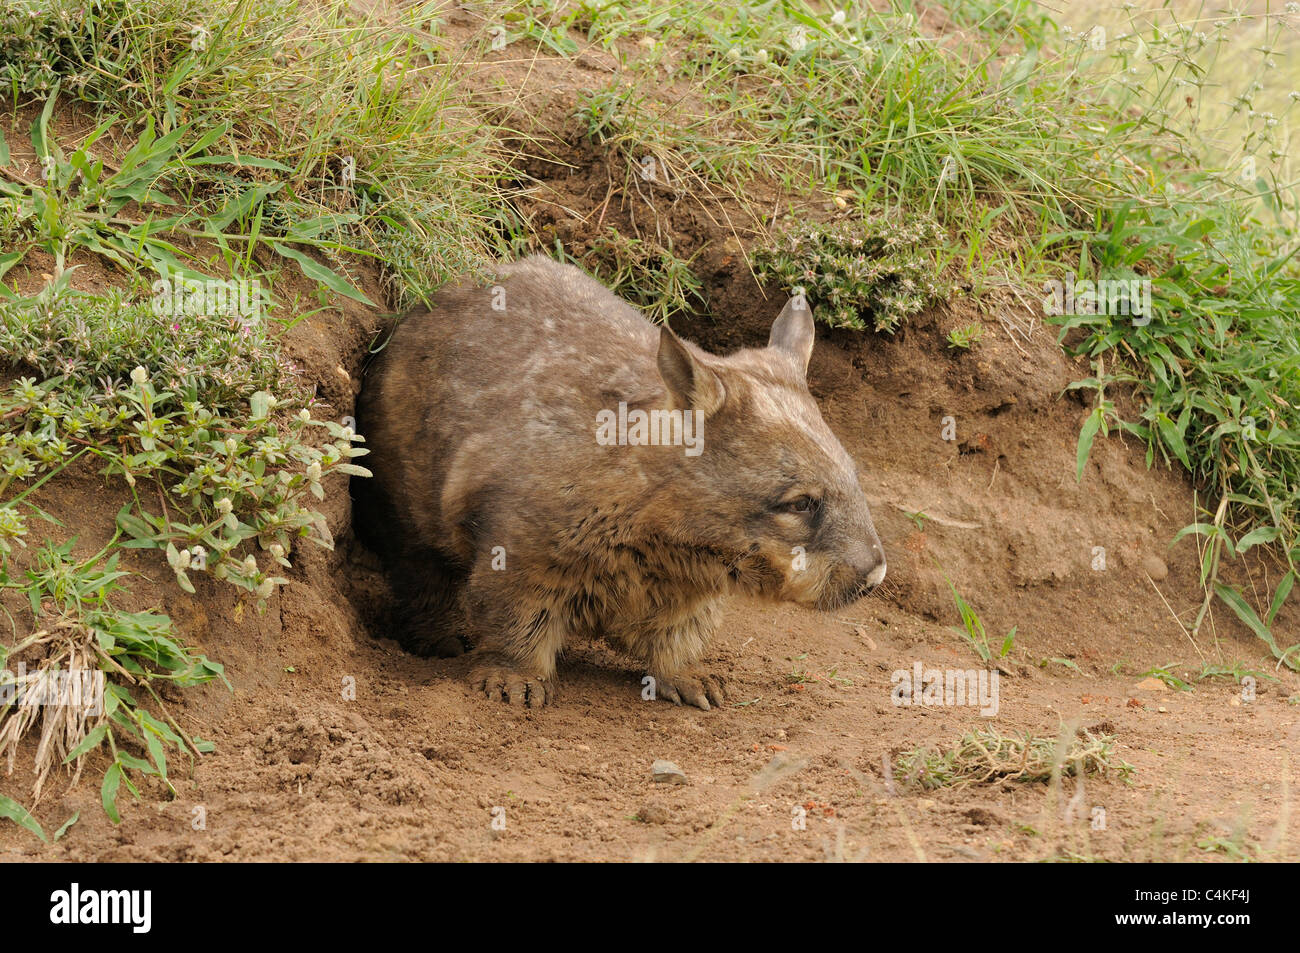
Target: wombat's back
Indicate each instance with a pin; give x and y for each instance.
(487, 383)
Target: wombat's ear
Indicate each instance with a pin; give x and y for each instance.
(792, 331)
(690, 384)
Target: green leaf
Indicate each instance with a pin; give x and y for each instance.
(1086, 435)
(1279, 597)
(1200, 529)
(19, 815)
(156, 752)
(351, 469)
(66, 825)
(139, 764)
(93, 739)
(240, 161)
(1262, 534)
(40, 128)
(1173, 438)
(108, 792)
(9, 259)
(259, 405)
(1247, 615)
(329, 278)
(133, 526)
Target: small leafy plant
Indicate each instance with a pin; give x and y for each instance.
(857, 272)
(965, 337)
(973, 630)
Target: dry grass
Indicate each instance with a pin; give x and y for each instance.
(59, 694)
(986, 755)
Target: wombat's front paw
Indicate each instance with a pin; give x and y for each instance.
(503, 683)
(695, 690)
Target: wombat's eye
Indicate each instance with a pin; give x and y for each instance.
(801, 504)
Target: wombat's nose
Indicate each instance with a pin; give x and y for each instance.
(870, 565)
(877, 575)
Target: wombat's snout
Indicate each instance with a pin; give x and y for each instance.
(868, 561)
(859, 567)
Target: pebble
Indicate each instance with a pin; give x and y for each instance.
(665, 772)
(1154, 567)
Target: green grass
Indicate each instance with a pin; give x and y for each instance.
(1165, 673)
(650, 275)
(319, 131)
(973, 631)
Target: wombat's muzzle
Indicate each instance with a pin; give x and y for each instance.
(868, 562)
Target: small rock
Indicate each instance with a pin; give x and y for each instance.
(1154, 567)
(665, 772)
(1152, 685)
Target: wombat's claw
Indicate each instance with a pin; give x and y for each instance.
(506, 684)
(691, 690)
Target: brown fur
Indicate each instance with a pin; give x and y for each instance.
(482, 426)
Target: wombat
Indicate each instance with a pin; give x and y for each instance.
(549, 464)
